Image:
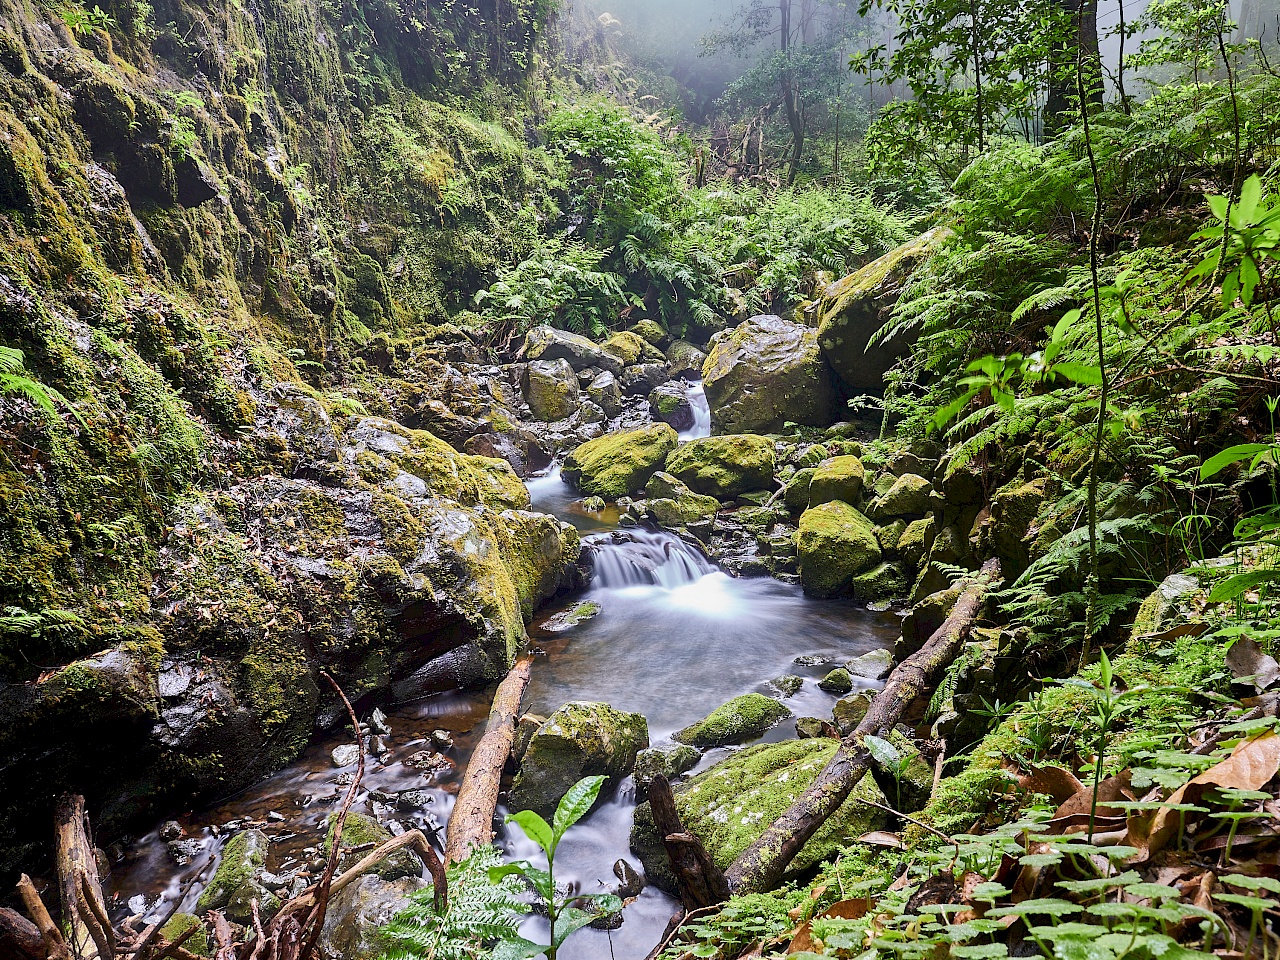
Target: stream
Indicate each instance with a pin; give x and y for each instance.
(675, 638)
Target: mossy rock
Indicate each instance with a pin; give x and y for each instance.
(619, 464)
(884, 581)
(551, 389)
(906, 778)
(363, 832)
(839, 478)
(796, 494)
(548, 343)
(837, 681)
(669, 760)
(910, 496)
(177, 927)
(834, 543)
(728, 807)
(916, 541)
(630, 348)
(849, 710)
(724, 467)
(923, 619)
(579, 613)
(742, 718)
(580, 739)
(685, 360)
(238, 880)
(651, 332)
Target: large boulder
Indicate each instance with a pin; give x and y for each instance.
(606, 394)
(580, 739)
(673, 504)
(742, 718)
(724, 467)
(238, 880)
(551, 389)
(548, 343)
(353, 922)
(728, 806)
(910, 496)
(835, 543)
(765, 373)
(618, 464)
(853, 308)
(839, 478)
(685, 360)
(630, 348)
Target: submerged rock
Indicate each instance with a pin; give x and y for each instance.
(728, 806)
(765, 373)
(568, 619)
(835, 543)
(742, 718)
(724, 467)
(615, 465)
(578, 740)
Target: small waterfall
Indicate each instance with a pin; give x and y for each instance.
(701, 413)
(633, 558)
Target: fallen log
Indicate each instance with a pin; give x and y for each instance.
(55, 947)
(19, 938)
(84, 912)
(761, 866)
(471, 824)
(700, 881)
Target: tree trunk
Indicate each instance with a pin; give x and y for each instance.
(1078, 42)
(701, 882)
(761, 865)
(471, 824)
(83, 911)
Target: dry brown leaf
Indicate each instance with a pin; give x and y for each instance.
(854, 909)
(1110, 790)
(882, 838)
(1059, 783)
(802, 940)
(1173, 633)
(1250, 766)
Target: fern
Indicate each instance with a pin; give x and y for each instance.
(479, 912)
(14, 380)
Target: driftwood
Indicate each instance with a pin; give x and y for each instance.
(701, 882)
(19, 938)
(84, 914)
(55, 947)
(761, 865)
(471, 824)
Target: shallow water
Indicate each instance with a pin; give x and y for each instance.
(674, 639)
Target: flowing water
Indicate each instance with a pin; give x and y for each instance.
(675, 638)
(701, 413)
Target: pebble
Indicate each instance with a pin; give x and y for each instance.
(430, 764)
(443, 739)
(274, 816)
(414, 799)
(377, 746)
(812, 660)
(184, 851)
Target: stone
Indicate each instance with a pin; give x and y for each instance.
(345, 755)
(651, 332)
(629, 349)
(837, 681)
(724, 467)
(874, 665)
(888, 535)
(684, 360)
(908, 497)
(171, 830)
(854, 308)
(548, 343)
(742, 718)
(728, 806)
(432, 765)
(359, 830)
(238, 880)
(669, 760)
(639, 379)
(788, 684)
(618, 464)
(923, 619)
(355, 916)
(809, 727)
(916, 541)
(606, 394)
(578, 740)
(884, 581)
(551, 389)
(526, 727)
(670, 403)
(765, 373)
(849, 711)
(839, 478)
(178, 925)
(795, 496)
(834, 543)
(568, 619)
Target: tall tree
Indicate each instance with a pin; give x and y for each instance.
(1074, 45)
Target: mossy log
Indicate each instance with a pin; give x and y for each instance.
(471, 824)
(761, 865)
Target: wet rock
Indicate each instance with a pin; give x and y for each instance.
(551, 389)
(639, 380)
(669, 760)
(185, 851)
(442, 740)
(910, 496)
(632, 882)
(526, 727)
(684, 360)
(378, 723)
(238, 880)
(568, 619)
(765, 373)
(809, 727)
(837, 681)
(883, 581)
(839, 478)
(742, 718)
(630, 348)
(345, 755)
(849, 711)
(728, 806)
(356, 914)
(724, 467)
(812, 660)
(853, 308)
(621, 463)
(788, 684)
(171, 830)
(548, 343)
(434, 766)
(580, 739)
(412, 800)
(873, 665)
(670, 404)
(605, 393)
(365, 833)
(834, 544)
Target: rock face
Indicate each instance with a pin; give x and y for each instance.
(618, 464)
(724, 467)
(767, 372)
(728, 807)
(835, 543)
(548, 343)
(853, 308)
(578, 740)
(551, 389)
(742, 718)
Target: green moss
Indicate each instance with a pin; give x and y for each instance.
(839, 478)
(179, 924)
(724, 467)
(742, 718)
(835, 543)
(617, 464)
(361, 833)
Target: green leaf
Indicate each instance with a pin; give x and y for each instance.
(1233, 586)
(882, 751)
(1250, 194)
(518, 948)
(575, 804)
(1241, 451)
(535, 828)
(570, 921)
(1084, 373)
